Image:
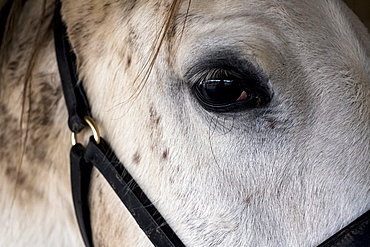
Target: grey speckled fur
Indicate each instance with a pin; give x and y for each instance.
(291, 173)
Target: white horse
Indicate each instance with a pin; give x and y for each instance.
(279, 156)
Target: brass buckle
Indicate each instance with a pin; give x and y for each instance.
(94, 128)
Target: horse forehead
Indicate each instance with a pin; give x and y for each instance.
(305, 29)
(284, 18)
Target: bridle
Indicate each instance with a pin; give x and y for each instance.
(98, 154)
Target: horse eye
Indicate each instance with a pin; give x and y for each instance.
(220, 90)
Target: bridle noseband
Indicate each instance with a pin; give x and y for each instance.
(98, 154)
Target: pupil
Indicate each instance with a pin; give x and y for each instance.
(221, 90)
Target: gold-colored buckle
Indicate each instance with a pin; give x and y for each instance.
(94, 128)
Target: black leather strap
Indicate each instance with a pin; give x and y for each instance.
(74, 94)
(80, 182)
(356, 234)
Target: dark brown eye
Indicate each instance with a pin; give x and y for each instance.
(221, 90)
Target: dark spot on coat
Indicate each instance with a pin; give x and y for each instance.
(128, 64)
(272, 125)
(100, 193)
(154, 117)
(136, 158)
(165, 154)
(14, 175)
(248, 200)
(155, 130)
(157, 120)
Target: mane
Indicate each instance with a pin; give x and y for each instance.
(10, 12)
